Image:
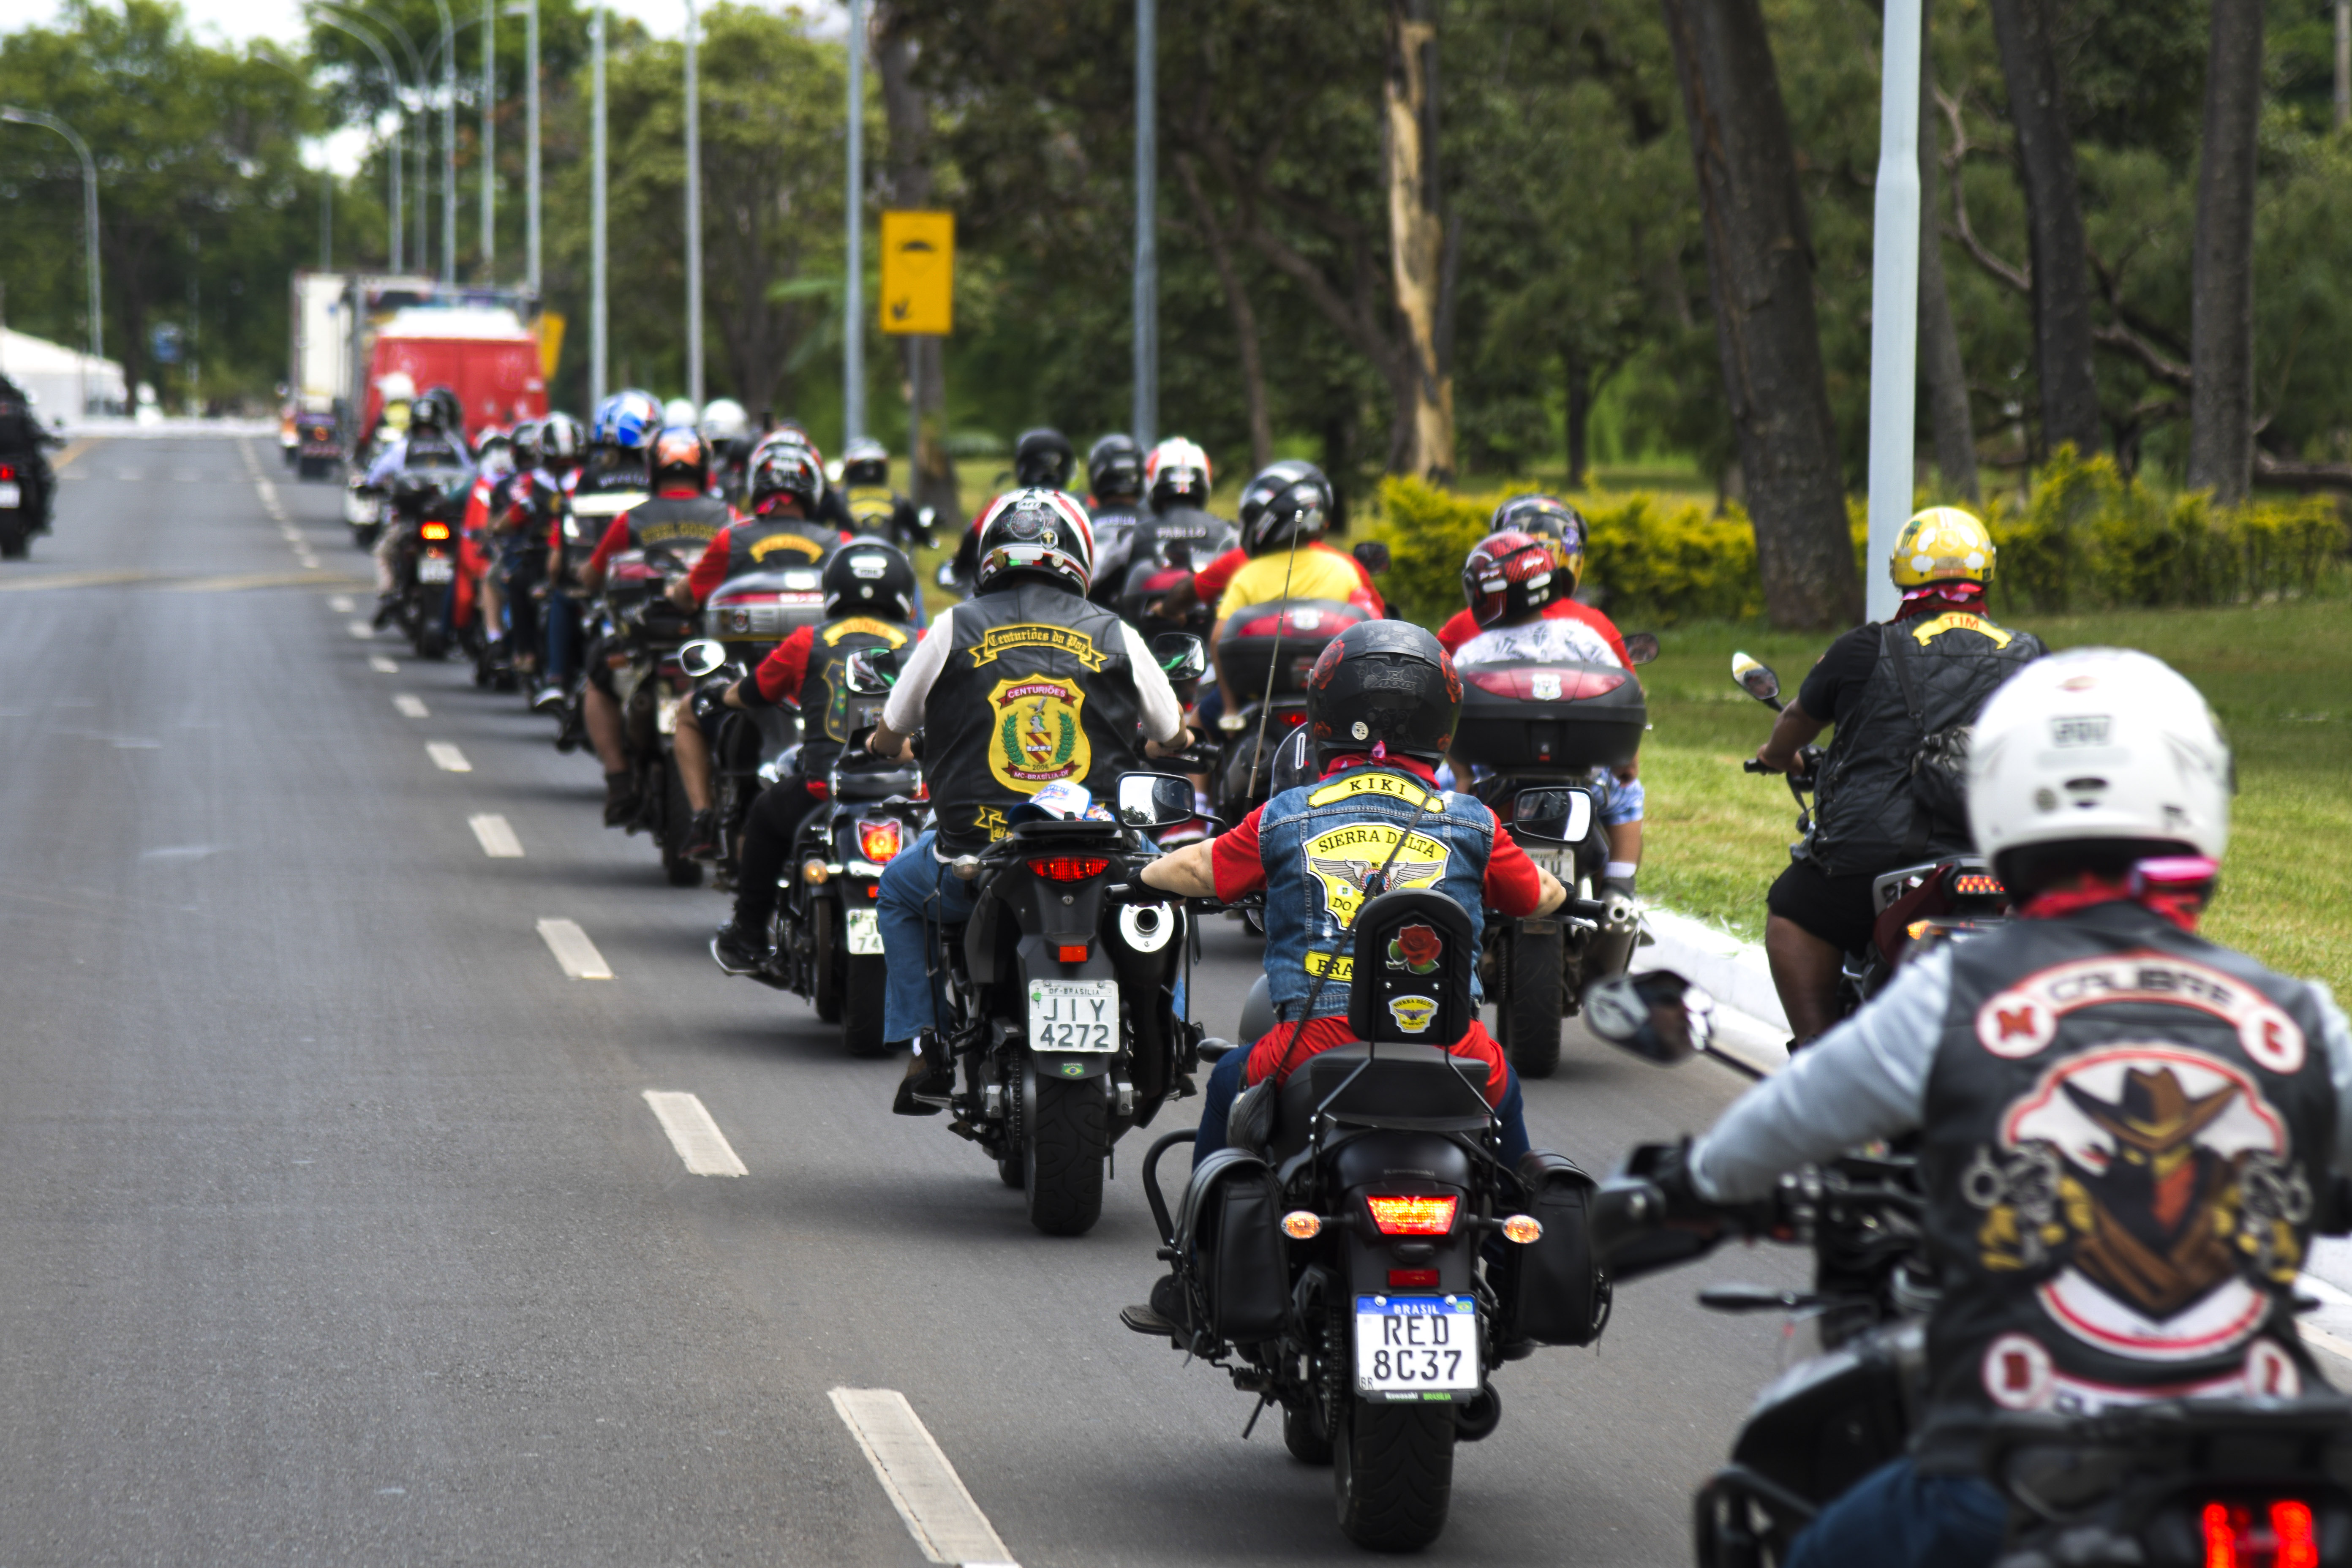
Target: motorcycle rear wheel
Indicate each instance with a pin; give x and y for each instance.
(15, 539)
(861, 1004)
(1529, 1013)
(1393, 1474)
(1062, 1152)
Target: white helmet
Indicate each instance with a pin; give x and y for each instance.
(723, 419)
(397, 387)
(678, 411)
(2099, 742)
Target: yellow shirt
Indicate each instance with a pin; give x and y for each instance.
(1318, 571)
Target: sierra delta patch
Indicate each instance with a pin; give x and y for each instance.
(1038, 737)
(1347, 861)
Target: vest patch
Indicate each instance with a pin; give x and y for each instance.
(1358, 782)
(861, 625)
(1345, 860)
(1039, 736)
(1339, 966)
(2017, 1022)
(806, 549)
(997, 640)
(1958, 621)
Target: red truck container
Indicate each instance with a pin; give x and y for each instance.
(483, 353)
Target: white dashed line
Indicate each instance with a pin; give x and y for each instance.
(696, 1138)
(497, 837)
(340, 603)
(381, 665)
(574, 949)
(447, 757)
(923, 1487)
(412, 706)
(362, 631)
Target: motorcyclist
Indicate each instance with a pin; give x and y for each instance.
(1027, 654)
(2128, 1131)
(1564, 532)
(876, 510)
(869, 603)
(684, 518)
(620, 436)
(1289, 560)
(23, 438)
(533, 520)
(729, 430)
(1383, 702)
(494, 466)
(1211, 578)
(1042, 458)
(1115, 506)
(787, 481)
(504, 621)
(1888, 688)
(428, 442)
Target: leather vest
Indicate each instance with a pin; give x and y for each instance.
(685, 523)
(873, 509)
(1037, 688)
(1323, 842)
(824, 696)
(1866, 821)
(2128, 1130)
(773, 543)
(432, 449)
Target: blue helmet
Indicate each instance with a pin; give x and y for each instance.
(629, 419)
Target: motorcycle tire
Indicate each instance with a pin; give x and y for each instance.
(861, 1004)
(1531, 1008)
(16, 542)
(1061, 1155)
(827, 961)
(678, 821)
(1393, 1474)
(1303, 1434)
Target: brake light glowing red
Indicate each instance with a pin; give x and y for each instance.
(2234, 1539)
(1977, 885)
(2298, 1543)
(1410, 1279)
(1070, 955)
(877, 841)
(436, 530)
(1545, 685)
(1292, 719)
(1413, 1216)
(6, 472)
(1068, 867)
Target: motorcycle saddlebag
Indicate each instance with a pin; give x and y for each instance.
(1229, 1235)
(1553, 1285)
(1550, 713)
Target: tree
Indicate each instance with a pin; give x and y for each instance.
(909, 109)
(1759, 266)
(2222, 314)
(1941, 368)
(1419, 248)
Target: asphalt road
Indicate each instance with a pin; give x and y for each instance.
(337, 1228)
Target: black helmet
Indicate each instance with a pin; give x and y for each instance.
(1115, 468)
(1383, 683)
(869, 577)
(427, 414)
(1041, 530)
(561, 441)
(681, 453)
(525, 443)
(1289, 502)
(1043, 457)
(866, 461)
(786, 468)
(453, 411)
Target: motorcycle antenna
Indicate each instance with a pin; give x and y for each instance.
(1274, 665)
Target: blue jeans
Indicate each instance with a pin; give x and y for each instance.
(1224, 1086)
(918, 894)
(1902, 1519)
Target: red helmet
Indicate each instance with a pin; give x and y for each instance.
(1510, 577)
(1552, 520)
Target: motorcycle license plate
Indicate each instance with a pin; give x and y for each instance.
(435, 569)
(864, 933)
(1074, 1015)
(1410, 1348)
(11, 497)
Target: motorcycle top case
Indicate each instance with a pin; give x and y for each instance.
(1552, 1289)
(1229, 1240)
(1553, 713)
(1292, 631)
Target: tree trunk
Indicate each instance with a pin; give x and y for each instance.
(1945, 377)
(2053, 201)
(2221, 300)
(909, 114)
(1759, 272)
(1578, 372)
(1237, 304)
(1417, 235)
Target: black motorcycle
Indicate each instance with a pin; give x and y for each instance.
(829, 941)
(643, 641)
(427, 510)
(1914, 906)
(1360, 1254)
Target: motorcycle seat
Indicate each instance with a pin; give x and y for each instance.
(1411, 1088)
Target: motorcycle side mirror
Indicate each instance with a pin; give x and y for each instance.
(1754, 1299)
(871, 671)
(1373, 555)
(702, 656)
(1755, 679)
(1180, 656)
(1154, 800)
(1657, 1015)
(1551, 816)
(1641, 646)
(945, 577)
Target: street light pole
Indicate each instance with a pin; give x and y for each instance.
(532, 99)
(347, 20)
(1894, 294)
(693, 215)
(448, 144)
(490, 142)
(88, 219)
(1144, 413)
(853, 322)
(597, 345)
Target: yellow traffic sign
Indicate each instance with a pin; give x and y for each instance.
(918, 273)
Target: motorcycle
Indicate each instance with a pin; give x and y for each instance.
(21, 510)
(426, 508)
(1913, 906)
(1552, 726)
(1361, 1257)
(642, 647)
(1264, 655)
(317, 445)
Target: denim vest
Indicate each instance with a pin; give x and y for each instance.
(1322, 842)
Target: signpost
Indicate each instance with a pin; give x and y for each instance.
(918, 273)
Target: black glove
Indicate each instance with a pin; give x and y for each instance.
(711, 699)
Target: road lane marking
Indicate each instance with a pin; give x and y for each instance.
(381, 665)
(574, 949)
(412, 706)
(340, 603)
(923, 1487)
(696, 1138)
(447, 757)
(362, 631)
(496, 836)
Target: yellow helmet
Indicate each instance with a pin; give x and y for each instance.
(1942, 544)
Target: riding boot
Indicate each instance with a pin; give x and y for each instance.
(931, 1077)
(620, 799)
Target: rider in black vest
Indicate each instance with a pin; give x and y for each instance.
(2129, 1131)
(1115, 506)
(1023, 686)
(869, 603)
(1887, 688)
(787, 481)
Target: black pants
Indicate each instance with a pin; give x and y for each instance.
(774, 821)
(1836, 908)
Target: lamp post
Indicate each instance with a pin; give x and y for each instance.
(1894, 294)
(596, 258)
(694, 215)
(16, 116)
(531, 113)
(346, 19)
(448, 144)
(853, 324)
(1144, 414)
(489, 140)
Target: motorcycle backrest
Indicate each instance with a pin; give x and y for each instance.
(1415, 1088)
(1414, 956)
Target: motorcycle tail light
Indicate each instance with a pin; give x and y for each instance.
(2235, 1536)
(436, 530)
(1413, 1216)
(877, 841)
(1978, 884)
(6, 472)
(1070, 954)
(1068, 867)
(1411, 1278)
(1292, 720)
(1547, 685)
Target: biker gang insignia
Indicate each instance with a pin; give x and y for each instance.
(1038, 737)
(1413, 1014)
(998, 640)
(1348, 860)
(2016, 1023)
(2154, 1188)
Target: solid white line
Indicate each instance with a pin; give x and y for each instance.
(574, 949)
(696, 1138)
(497, 837)
(411, 706)
(447, 757)
(340, 603)
(382, 666)
(923, 1487)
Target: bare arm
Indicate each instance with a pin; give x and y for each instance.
(1793, 729)
(1187, 873)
